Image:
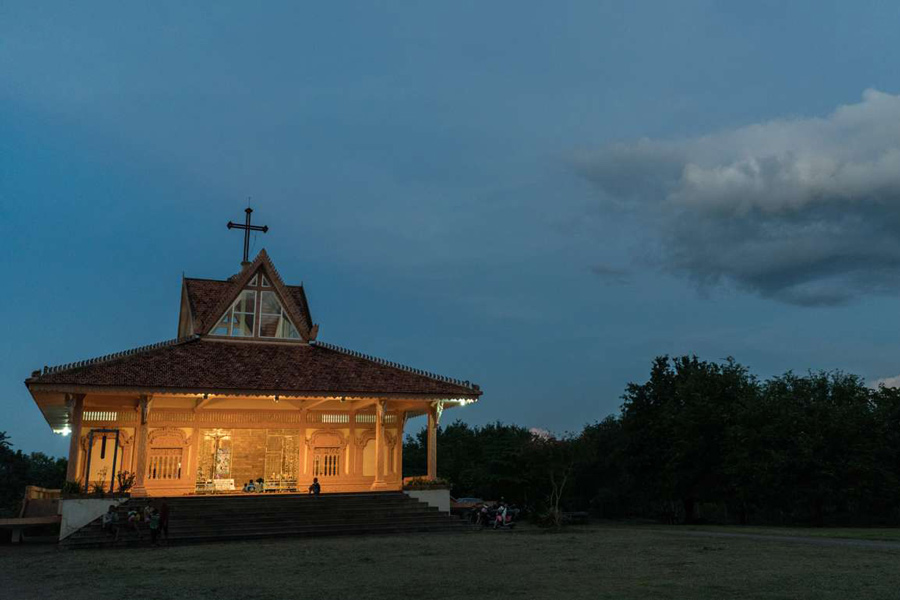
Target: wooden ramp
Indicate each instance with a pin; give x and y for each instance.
(40, 506)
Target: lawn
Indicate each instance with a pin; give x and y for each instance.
(587, 562)
(886, 534)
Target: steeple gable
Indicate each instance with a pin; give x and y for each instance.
(254, 303)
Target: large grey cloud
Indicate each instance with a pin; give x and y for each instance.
(803, 210)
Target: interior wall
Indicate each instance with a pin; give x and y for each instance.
(248, 455)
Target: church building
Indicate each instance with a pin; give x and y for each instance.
(245, 392)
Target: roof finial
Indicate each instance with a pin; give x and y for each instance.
(247, 227)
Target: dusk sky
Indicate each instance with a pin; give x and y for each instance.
(537, 197)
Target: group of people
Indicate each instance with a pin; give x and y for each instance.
(498, 516)
(255, 486)
(259, 486)
(155, 519)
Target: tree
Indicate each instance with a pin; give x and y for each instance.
(553, 461)
(675, 426)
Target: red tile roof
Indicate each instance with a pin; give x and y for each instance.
(204, 295)
(202, 364)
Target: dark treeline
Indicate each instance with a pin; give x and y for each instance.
(698, 441)
(18, 469)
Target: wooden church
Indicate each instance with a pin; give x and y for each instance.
(245, 392)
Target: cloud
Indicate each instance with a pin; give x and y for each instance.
(804, 210)
(610, 274)
(543, 434)
(891, 382)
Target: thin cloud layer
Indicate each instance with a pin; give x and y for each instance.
(805, 211)
(889, 382)
(610, 274)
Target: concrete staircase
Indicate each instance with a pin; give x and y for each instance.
(195, 519)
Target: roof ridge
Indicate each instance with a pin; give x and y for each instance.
(442, 378)
(108, 357)
(205, 279)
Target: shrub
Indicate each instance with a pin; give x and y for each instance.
(125, 480)
(423, 483)
(72, 487)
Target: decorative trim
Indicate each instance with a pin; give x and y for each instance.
(108, 357)
(367, 436)
(125, 440)
(101, 389)
(311, 443)
(168, 431)
(475, 388)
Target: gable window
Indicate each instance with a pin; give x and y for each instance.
(257, 312)
(273, 321)
(238, 320)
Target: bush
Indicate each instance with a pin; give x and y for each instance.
(423, 483)
(71, 488)
(125, 480)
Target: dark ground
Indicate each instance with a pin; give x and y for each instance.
(588, 562)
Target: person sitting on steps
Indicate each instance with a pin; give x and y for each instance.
(315, 489)
(134, 519)
(111, 522)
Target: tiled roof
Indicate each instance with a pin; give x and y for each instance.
(199, 364)
(204, 295)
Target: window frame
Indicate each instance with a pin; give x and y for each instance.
(260, 280)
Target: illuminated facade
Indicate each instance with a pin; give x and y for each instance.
(244, 393)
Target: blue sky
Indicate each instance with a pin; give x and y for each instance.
(539, 197)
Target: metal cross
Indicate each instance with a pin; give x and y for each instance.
(247, 227)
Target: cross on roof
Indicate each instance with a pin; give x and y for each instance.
(247, 227)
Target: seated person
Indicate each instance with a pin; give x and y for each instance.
(315, 488)
(249, 486)
(134, 519)
(111, 521)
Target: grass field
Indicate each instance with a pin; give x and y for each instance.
(855, 533)
(588, 562)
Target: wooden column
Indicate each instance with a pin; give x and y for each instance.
(140, 447)
(352, 468)
(75, 403)
(194, 460)
(401, 428)
(379, 446)
(432, 442)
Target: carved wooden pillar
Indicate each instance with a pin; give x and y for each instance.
(304, 451)
(401, 429)
(352, 468)
(194, 459)
(140, 447)
(75, 403)
(379, 446)
(434, 419)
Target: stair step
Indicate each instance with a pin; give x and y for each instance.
(195, 519)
